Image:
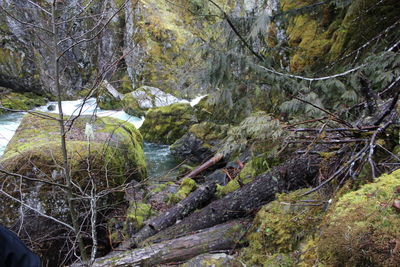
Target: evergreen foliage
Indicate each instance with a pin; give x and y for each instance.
(245, 63)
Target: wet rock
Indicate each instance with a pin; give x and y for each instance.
(200, 142)
(51, 107)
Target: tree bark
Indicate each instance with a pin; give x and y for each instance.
(195, 200)
(296, 173)
(221, 237)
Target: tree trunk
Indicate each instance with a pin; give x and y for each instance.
(195, 200)
(293, 174)
(221, 237)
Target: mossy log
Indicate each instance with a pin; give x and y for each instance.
(295, 173)
(195, 200)
(221, 237)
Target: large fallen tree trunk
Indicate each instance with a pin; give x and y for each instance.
(293, 174)
(221, 237)
(195, 200)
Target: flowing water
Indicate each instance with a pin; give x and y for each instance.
(159, 159)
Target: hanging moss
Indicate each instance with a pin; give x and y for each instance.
(361, 229)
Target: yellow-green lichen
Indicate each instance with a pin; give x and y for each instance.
(329, 32)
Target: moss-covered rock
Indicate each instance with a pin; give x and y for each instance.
(167, 124)
(361, 229)
(137, 102)
(116, 142)
(111, 158)
(200, 142)
(17, 101)
(280, 227)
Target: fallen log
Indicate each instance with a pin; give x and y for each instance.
(221, 237)
(195, 200)
(214, 160)
(296, 173)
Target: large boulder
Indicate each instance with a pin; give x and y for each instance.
(103, 154)
(137, 102)
(200, 142)
(167, 124)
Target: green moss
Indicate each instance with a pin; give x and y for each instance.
(24, 101)
(256, 166)
(280, 227)
(362, 227)
(187, 186)
(131, 106)
(167, 124)
(329, 32)
(138, 212)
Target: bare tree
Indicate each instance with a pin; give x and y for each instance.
(61, 23)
